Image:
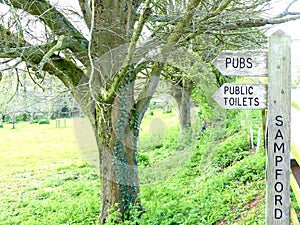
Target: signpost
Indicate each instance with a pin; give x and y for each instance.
(276, 64)
(278, 139)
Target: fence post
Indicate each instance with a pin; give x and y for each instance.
(278, 130)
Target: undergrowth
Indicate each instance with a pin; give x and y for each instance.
(211, 179)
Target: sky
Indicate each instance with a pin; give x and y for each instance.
(292, 27)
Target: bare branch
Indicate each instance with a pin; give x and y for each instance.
(286, 11)
(237, 25)
(67, 71)
(53, 19)
(33, 79)
(220, 9)
(184, 22)
(58, 46)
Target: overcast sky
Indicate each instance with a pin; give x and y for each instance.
(292, 27)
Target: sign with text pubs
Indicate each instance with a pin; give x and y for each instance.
(242, 63)
(241, 96)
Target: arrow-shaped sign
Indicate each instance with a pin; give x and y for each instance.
(242, 96)
(242, 63)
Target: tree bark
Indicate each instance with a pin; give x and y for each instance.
(1, 120)
(117, 130)
(182, 94)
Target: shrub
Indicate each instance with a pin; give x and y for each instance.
(232, 150)
(44, 122)
(34, 121)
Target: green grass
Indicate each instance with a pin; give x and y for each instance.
(194, 200)
(44, 180)
(201, 193)
(43, 177)
(35, 146)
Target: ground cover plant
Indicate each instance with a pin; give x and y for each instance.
(44, 179)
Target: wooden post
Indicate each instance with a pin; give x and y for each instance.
(278, 139)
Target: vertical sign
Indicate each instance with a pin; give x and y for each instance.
(278, 137)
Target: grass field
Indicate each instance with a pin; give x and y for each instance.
(44, 179)
(38, 165)
(34, 146)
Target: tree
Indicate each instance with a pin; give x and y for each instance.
(102, 68)
(21, 97)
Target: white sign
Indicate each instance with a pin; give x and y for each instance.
(241, 96)
(242, 63)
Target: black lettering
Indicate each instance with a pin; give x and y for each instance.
(279, 121)
(231, 90)
(278, 199)
(237, 90)
(225, 100)
(278, 214)
(278, 187)
(243, 91)
(278, 148)
(237, 101)
(235, 63)
(256, 101)
(250, 100)
(227, 62)
(278, 159)
(279, 135)
(250, 90)
(231, 101)
(249, 61)
(242, 63)
(226, 88)
(277, 173)
(244, 101)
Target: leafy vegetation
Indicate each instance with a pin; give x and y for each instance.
(295, 105)
(214, 180)
(221, 181)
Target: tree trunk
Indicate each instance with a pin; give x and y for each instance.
(117, 130)
(185, 110)
(183, 99)
(1, 120)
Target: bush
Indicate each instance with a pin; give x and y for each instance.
(44, 122)
(34, 121)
